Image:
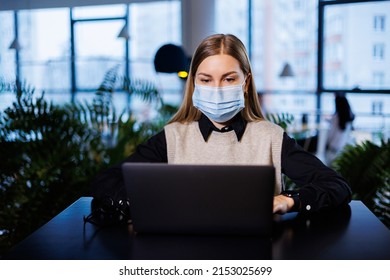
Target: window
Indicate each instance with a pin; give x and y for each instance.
(8, 56)
(284, 32)
(378, 51)
(232, 17)
(379, 23)
(378, 79)
(352, 50)
(153, 25)
(45, 59)
(298, 4)
(97, 52)
(106, 11)
(363, 67)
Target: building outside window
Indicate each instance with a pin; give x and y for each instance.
(379, 23)
(7, 56)
(378, 79)
(378, 51)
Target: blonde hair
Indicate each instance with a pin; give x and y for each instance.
(214, 45)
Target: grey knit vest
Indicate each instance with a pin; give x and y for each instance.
(261, 144)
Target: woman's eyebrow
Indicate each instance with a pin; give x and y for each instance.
(229, 73)
(204, 74)
(223, 75)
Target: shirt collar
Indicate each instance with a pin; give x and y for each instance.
(206, 127)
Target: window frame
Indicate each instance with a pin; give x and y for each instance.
(320, 55)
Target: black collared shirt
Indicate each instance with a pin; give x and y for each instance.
(238, 125)
(320, 187)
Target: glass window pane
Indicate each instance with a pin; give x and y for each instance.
(371, 111)
(97, 50)
(284, 32)
(356, 46)
(151, 26)
(7, 35)
(231, 16)
(45, 40)
(105, 11)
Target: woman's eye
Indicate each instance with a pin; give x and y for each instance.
(230, 80)
(205, 81)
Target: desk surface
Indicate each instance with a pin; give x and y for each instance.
(351, 233)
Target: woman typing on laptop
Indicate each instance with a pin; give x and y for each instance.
(220, 122)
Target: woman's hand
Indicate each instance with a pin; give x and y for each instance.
(282, 204)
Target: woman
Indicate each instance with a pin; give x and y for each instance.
(339, 133)
(220, 122)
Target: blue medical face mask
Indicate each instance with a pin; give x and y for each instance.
(219, 104)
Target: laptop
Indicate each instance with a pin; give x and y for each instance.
(200, 199)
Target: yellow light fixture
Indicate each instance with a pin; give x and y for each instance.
(182, 74)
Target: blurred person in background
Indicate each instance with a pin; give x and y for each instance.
(341, 122)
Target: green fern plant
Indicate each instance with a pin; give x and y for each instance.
(281, 119)
(382, 201)
(49, 156)
(366, 167)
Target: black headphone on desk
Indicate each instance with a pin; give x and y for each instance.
(109, 212)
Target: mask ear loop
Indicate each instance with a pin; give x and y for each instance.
(246, 85)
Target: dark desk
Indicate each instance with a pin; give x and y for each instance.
(351, 233)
